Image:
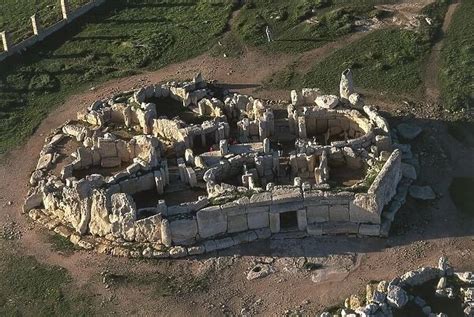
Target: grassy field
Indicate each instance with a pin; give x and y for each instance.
(301, 24)
(388, 61)
(30, 288)
(16, 14)
(457, 67)
(115, 40)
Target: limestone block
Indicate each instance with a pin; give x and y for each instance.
(210, 245)
(314, 229)
(346, 86)
(302, 219)
(224, 243)
(288, 206)
(327, 101)
(44, 161)
(145, 182)
(338, 213)
(383, 143)
(107, 148)
(237, 223)
(191, 176)
(108, 162)
(317, 213)
(369, 230)
(358, 213)
(148, 229)
(183, 231)
(261, 199)
(340, 228)
(263, 233)
(211, 221)
(258, 220)
(274, 222)
(166, 236)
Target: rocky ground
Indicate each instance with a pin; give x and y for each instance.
(300, 275)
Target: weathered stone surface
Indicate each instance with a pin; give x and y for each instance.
(408, 171)
(274, 222)
(123, 216)
(259, 271)
(237, 223)
(99, 224)
(211, 221)
(408, 131)
(258, 220)
(369, 230)
(178, 252)
(422, 192)
(317, 213)
(338, 213)
(420, 276)
(396, 296)
(327, 101)
(45, 161)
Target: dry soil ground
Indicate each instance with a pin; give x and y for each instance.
(422, 232)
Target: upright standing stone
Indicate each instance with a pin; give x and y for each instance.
(302, 127)
(274, 222)
(6, 40)
(65, 9)
(346, 87)
(266, 146)
(166, 233)
(223, 147)
(35, 24)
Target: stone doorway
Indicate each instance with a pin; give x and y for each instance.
(288, 221)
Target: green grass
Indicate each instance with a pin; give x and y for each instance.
(457, 60)
(60, 244)
(113, 41)
(15, 17)
(462, 191)
(389, 61)
(293, 22)
(29, 288)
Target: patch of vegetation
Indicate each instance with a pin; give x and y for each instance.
(60, 244)
(462, 191)
(387, 60)
(163, 285)
(28, 288)
(372, 173)
(114, 40)
(457, 60)
(301, 24)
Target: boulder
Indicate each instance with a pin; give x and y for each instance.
(408, 131)
(408, 171)
(259, 271)
(396, 296)
(327, 101)
(420, 276)
(422, 192)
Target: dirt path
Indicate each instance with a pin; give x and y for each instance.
(431, 77)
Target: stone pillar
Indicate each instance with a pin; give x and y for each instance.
(224, 147)
(6, 40)
(203, 139)
(166, 233)
(189, 156)
(191, 176)
(311, 162)
(324, 168)
(266, 146)
(302, 127)
(302, 220)
(274, 222)
(159, 182)
(291, 119)
(297, 181)
(346, 86)
(317, 176)
(65, 8)
(262, 129)
(35, 24)
(161, 207)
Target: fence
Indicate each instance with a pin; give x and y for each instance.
(40, 33)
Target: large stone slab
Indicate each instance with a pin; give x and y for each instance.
(211, 221)
(317, 214)
(258, 220)
(357, 213)
(339, 213)
(237, 223)
(183, 230)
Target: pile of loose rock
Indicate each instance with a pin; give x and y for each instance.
(403, 294)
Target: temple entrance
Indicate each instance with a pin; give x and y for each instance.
(288, 221)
